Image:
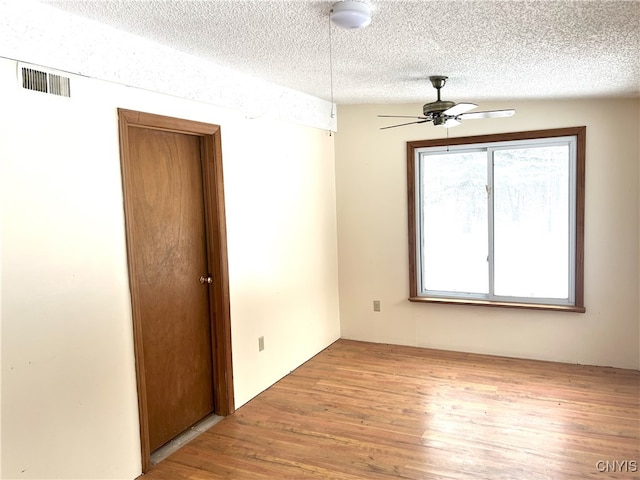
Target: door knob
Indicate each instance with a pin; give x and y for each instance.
(206, 279)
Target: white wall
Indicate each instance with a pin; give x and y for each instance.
(373, 246)
(69, 404)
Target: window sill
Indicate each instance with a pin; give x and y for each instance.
(487, 303)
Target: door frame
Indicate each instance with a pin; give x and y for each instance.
(216, 233)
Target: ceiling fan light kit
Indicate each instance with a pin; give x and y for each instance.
(351, 14)
(445, 113)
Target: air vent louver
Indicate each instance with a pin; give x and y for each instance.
(40, 81)
(59, 85)
(34, 80)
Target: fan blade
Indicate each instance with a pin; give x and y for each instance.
(489, 114)
(402, 116)
(459, 108)
(403, 124)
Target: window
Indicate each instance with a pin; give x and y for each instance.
(498, 219)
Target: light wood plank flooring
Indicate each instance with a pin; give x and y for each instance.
(368, 411)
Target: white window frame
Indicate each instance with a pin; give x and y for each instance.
(574, 138)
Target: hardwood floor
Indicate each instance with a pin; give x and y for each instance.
(368, 411)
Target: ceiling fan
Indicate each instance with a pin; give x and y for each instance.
(447, 114)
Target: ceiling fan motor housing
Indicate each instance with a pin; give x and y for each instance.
(436, 107)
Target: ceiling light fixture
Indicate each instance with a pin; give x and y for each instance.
(351, 14)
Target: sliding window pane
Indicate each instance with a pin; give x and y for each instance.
(453, 223)
(531, 222)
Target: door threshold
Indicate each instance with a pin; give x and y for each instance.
(185, 437)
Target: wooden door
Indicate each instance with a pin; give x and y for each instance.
(175, 249)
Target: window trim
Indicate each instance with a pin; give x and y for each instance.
(412, 191)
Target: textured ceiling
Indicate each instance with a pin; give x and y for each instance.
(492, 50)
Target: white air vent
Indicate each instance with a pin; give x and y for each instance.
(42, 81)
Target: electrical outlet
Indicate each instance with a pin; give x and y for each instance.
(260, 344)
(376, 305)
